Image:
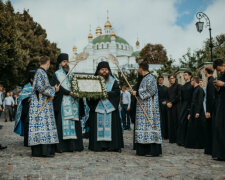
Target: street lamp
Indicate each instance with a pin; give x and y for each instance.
(200, 26)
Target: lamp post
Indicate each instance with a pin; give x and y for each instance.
(200, 26)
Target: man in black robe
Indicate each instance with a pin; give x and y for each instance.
(195, 131)
(173, 104)
(74, 142)
(218, 150)
(210, 109)
(186, 96)
(100, 140)
(134, 106)
(163, 92)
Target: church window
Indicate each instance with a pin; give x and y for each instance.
(97, 46)
(102, 46)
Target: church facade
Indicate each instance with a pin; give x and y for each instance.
(105, 43)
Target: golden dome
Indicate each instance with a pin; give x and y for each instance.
(98, 30)
(108, 24)
(137, 43)
(74, 47)
(90, 36)
(113, 34)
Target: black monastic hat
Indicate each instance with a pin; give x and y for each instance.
(31, 74)
(62, 57)
(103, 64)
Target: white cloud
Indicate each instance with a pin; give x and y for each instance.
(67, 22)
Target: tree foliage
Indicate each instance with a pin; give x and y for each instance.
(167, 67)
(131, 76)
(193, 60)
(154, 54)
(22, 42)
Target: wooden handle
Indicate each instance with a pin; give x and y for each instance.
(46, 102)
(59, 86)
(68, 73)
(146, 115)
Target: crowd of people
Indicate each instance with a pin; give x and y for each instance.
(8, 105)
(49, 117)
(193, 116)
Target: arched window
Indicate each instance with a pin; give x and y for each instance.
(117, 46)
(102, 46)
(97, 46)
(107, 46)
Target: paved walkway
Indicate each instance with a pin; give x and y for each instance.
(176, 162)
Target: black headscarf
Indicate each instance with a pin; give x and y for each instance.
(103, 64)
(31, 74)
(62, 57)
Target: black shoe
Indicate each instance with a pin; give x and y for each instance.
(218, 159)
(151, 155)
(1, 126)
(125, 128)
(118, 150)
(6, 120)
(2, 147)
(49, 156)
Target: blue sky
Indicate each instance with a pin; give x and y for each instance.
(188, 8)
(167, 22)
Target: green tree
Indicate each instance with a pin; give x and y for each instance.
(8, 44)
(192, 61)
(22, 42)
(167, 67)
(154, 54)
(218, 48)
(131, 76)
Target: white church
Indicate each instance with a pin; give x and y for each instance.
(103, 44)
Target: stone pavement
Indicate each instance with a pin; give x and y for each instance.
(176, 162)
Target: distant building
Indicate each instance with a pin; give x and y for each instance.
(103, 44)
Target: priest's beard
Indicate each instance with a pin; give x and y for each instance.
(66, 68)
(105, 75)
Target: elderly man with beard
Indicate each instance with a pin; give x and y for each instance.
(105, 125)
(68, 111)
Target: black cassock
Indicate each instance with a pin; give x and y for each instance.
(25, 119)
(117, 137)
(133, 116)
(218, 150)
(195, 130)
(133, 107)
(163, 93)
(210, 107)
(173, 113)
(186, 96)
(68, 145)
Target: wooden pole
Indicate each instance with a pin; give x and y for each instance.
(146, 115)
(46, 102)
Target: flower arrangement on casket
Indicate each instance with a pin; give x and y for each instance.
(89, 86)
